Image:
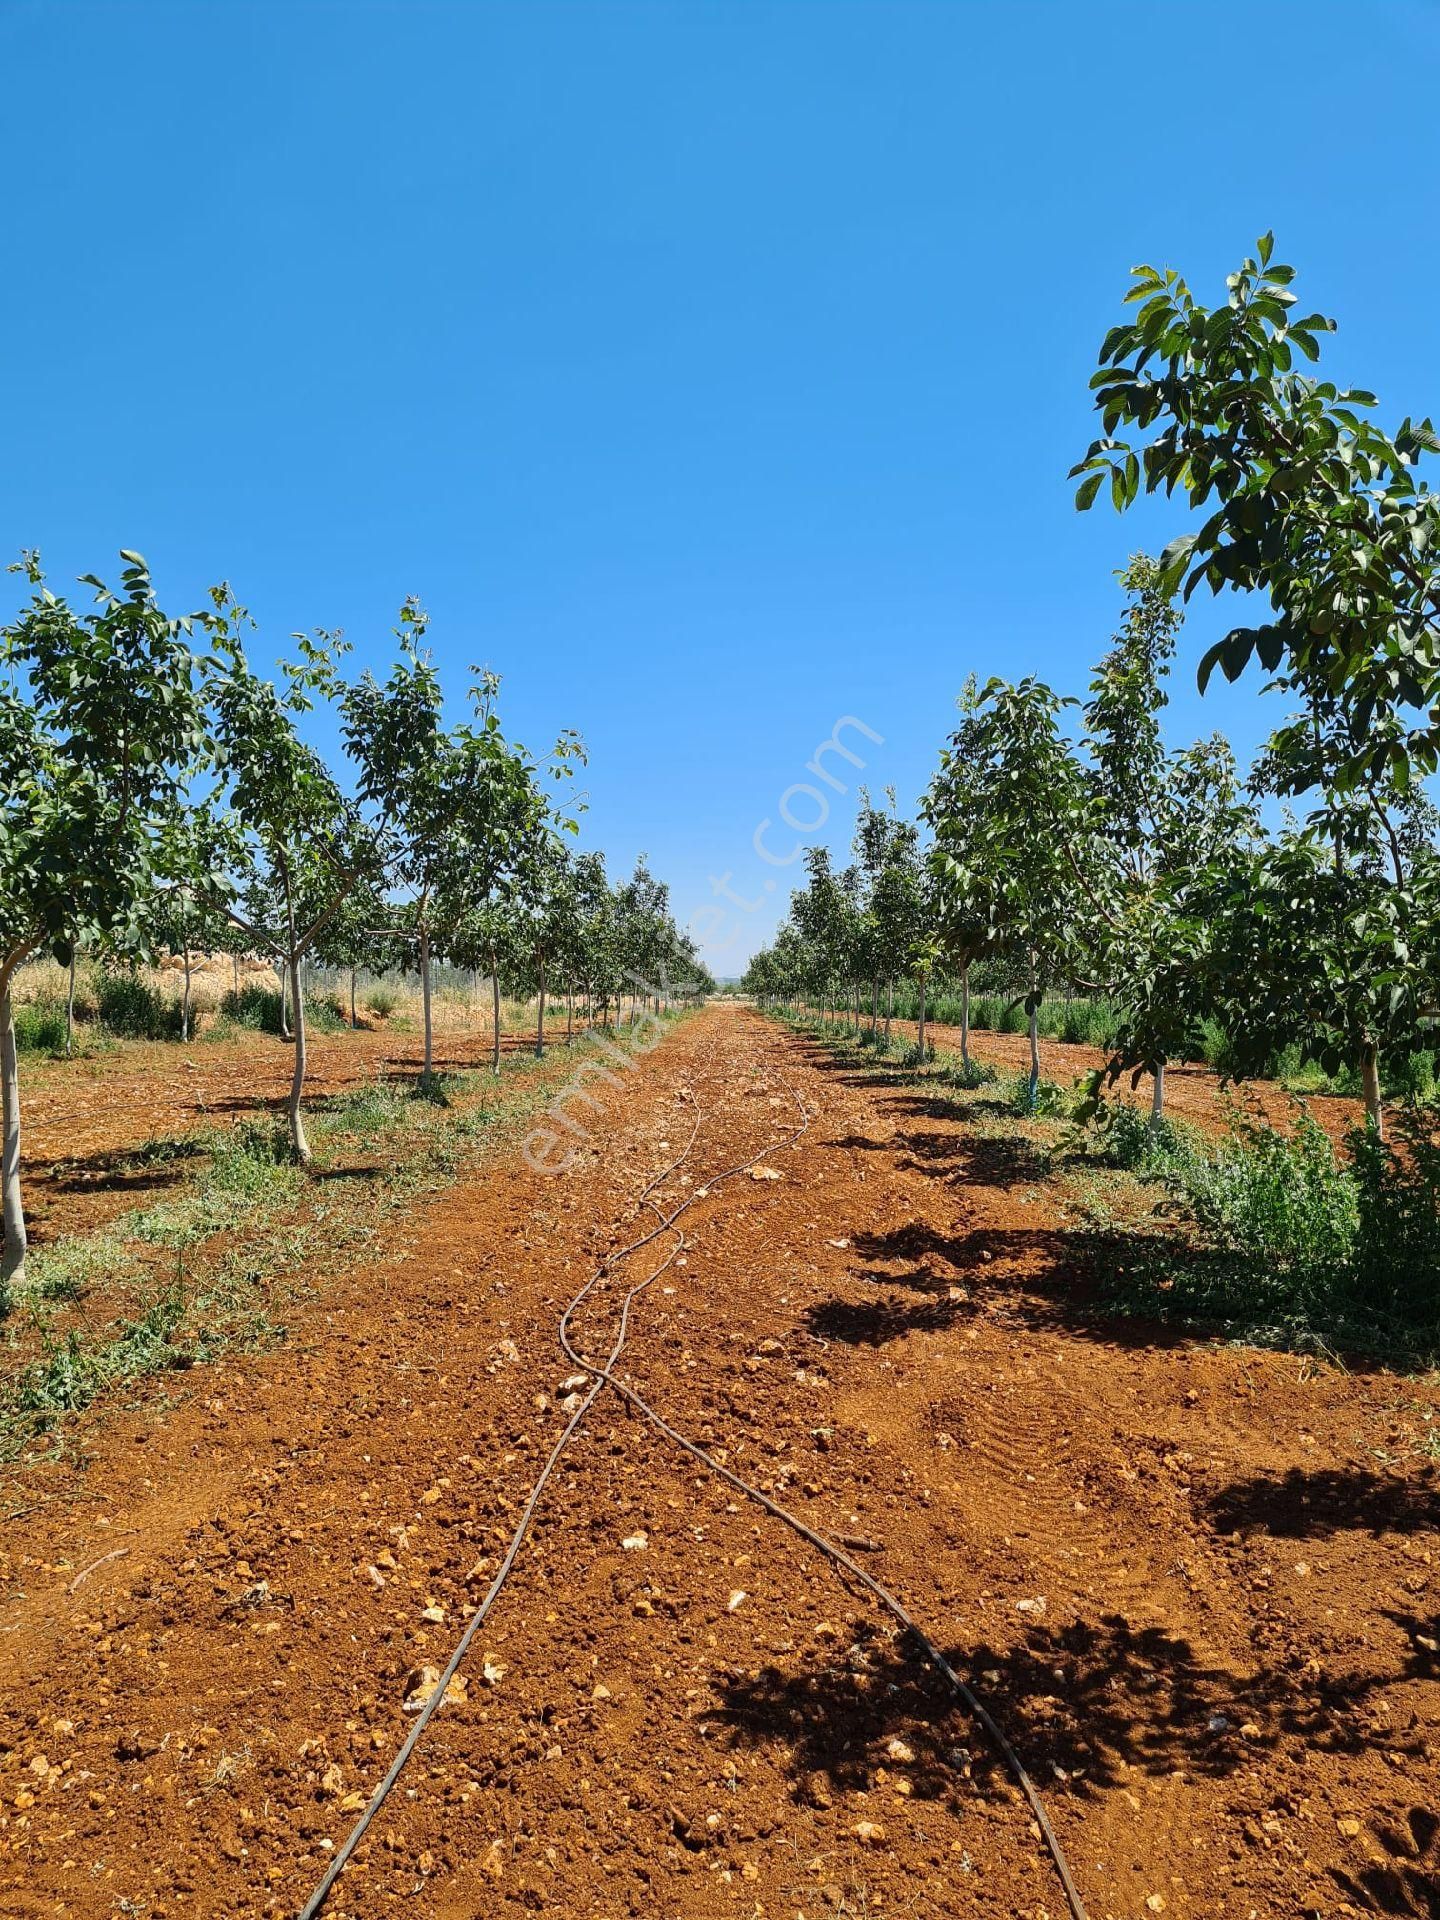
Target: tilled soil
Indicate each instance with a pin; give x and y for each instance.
(1194, 1584)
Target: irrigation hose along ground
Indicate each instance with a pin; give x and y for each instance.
(423, 1718)
(832, 1551)
(605, 1375)
(477, 1619)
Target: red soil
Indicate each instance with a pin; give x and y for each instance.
(84, 1119)
(1194, 1583)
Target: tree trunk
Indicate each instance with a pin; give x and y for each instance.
(12, 1260)
(299, 1143)
(1370, 1082)
(889, 1008)
(285, 1033)
(70, 1011)
(427, 1072)
(965, 1016)
(185, 998)
(569, 1014)
(495, 1013)
(354, 1021)
(874, 1006)
(1034, 1050)
(1157, 1103)
(540, 1016)
(920, 1025)
(235, 973)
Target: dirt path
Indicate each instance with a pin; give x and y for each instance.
(1194, 1584)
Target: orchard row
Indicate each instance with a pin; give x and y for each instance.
(1296, 904)
(161, 795)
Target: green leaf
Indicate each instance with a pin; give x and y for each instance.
(1085, 493)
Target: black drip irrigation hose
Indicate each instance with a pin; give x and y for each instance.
(835, 1553)
(382, 1792)
(606, 1376)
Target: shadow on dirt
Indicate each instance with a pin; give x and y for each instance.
(875, 1323)
(1313, 1504)
(1045, 1276)
(1408, 1883)
(122, 1169)
(1094, 1699)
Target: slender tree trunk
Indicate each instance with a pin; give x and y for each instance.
(70, 1010)
(569, 1014)
(965, 1016)
(1370, 1083)
(889, 1008)
(354, 1019)
(427, 1072)
(284, 973)
(1157, 1101)
(495, 1013)
(920, 1025)
(1034, 1039)
(874, 1006)
(185, 998)
(299, 1141)
(540, 1016)
(235, 973)
(12, 1260)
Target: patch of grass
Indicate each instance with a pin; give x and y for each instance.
(247, 1164)
(1047, 1102)
(39, 1027)
(1287, 1238)
(71, 1372)
(381, 1001)
(68, 1270)
(954, 1072)
(368, 1114)
(324, 1014)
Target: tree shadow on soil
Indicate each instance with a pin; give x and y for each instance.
(119, 1169)
(1093, 1699)
(1314, 1504)
(1049, 1276)
(1408, 1882)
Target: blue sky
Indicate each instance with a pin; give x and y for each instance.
(711, 371)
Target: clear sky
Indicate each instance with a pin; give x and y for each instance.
(711, 371)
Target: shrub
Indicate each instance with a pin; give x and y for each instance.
(1048, 1099)
(325, 1013)
(1287, 1205)
(1130, 1139)
(254, 1006)
(132, 1009)
(39, 1027)
(985, 1011)
(1397, 1253)
(381, 1001)
(977, 1074)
